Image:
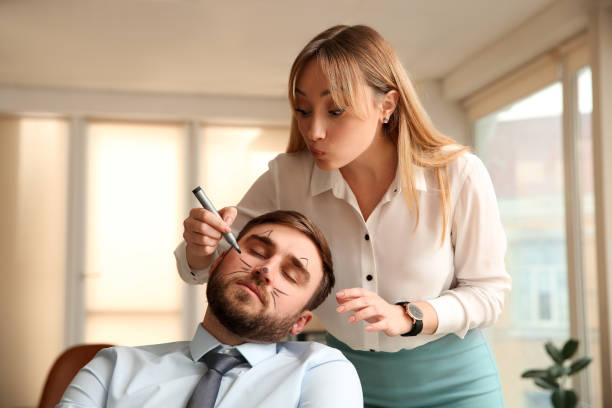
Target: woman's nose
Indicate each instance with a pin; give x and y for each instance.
(316, 130)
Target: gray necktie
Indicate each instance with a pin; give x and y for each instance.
(206, 391)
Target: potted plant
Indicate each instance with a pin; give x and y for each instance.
(556, 377)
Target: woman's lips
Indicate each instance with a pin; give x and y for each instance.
(316, 153)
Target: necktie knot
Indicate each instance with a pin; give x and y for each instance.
(205, 393)
(221, 362)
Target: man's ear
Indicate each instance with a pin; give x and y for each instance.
(301, 323)
(215, 263)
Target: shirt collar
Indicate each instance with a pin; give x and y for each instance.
(323, 180)
(254, 353)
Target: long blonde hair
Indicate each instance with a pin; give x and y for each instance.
(354, 56)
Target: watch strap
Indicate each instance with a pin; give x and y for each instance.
(417, 326)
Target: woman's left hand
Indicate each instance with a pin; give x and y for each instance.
(368, 306)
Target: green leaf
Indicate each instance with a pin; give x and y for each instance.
(564, 398)
(579, 364)
(569, 348)
(547, 383)
(553, 352)
(535, 374)
(556, 371)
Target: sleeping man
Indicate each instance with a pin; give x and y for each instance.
(237, 357)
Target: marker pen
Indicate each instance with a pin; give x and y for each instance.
(229, 237)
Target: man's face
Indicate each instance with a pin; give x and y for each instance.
(260, 294)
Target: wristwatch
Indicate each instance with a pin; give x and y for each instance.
(416, 314)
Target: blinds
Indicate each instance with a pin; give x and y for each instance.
(537, 74)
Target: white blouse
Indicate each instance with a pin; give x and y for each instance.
(464, 278)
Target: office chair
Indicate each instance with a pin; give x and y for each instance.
(63, 371)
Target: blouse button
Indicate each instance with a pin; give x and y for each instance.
(369, 277)
(367, 237)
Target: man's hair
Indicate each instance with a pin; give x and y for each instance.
(299, 222)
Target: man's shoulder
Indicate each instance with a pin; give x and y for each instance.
(147, 352)
(311, 352)
(162, 348)
(319, 364)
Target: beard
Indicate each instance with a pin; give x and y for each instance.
(232, 308)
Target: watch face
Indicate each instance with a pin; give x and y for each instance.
(415, 311)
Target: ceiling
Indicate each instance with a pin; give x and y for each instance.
(229, 47)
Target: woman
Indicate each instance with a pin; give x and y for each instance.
(411, 218)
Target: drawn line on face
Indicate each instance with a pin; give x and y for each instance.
(275, 291)
(238, 271)
(279, 291)
(267, 233)
(274, 295)
(306, 260)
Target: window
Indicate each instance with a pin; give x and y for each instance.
(34, 179)
(138, 194)
(135, 194)
(533, 133)
(584, 147)
(234, 157)
(522, 147)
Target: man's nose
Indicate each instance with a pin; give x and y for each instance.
(263, 273)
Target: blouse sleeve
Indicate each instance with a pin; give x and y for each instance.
(479, 242)
(262, 197)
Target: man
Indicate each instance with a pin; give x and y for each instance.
(254, 300)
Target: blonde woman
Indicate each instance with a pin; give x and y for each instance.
(410, 215)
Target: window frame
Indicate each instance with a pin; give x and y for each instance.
(562, 64)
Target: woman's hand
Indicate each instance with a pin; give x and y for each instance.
(368, 306)
(202, 232)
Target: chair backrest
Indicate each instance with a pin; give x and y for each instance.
(66, 366)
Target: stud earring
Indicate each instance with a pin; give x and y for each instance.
(385, 120)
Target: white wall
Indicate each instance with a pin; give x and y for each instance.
(446, 115)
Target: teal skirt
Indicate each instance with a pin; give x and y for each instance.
(448, 372)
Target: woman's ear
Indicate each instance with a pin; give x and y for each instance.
(389, 103)
(301, 323)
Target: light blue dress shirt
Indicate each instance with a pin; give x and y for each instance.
(286, 374)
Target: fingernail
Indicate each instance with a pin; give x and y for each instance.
(340, 294)
(352, 319)
(228, 220)
(340, 309)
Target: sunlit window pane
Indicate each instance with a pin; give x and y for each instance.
(234, 157)
(134, 213)
(134, 328)
(521, 146)
(584, 147)
(34, 220)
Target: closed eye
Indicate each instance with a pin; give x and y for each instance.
(289, 276)
(256, 253)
